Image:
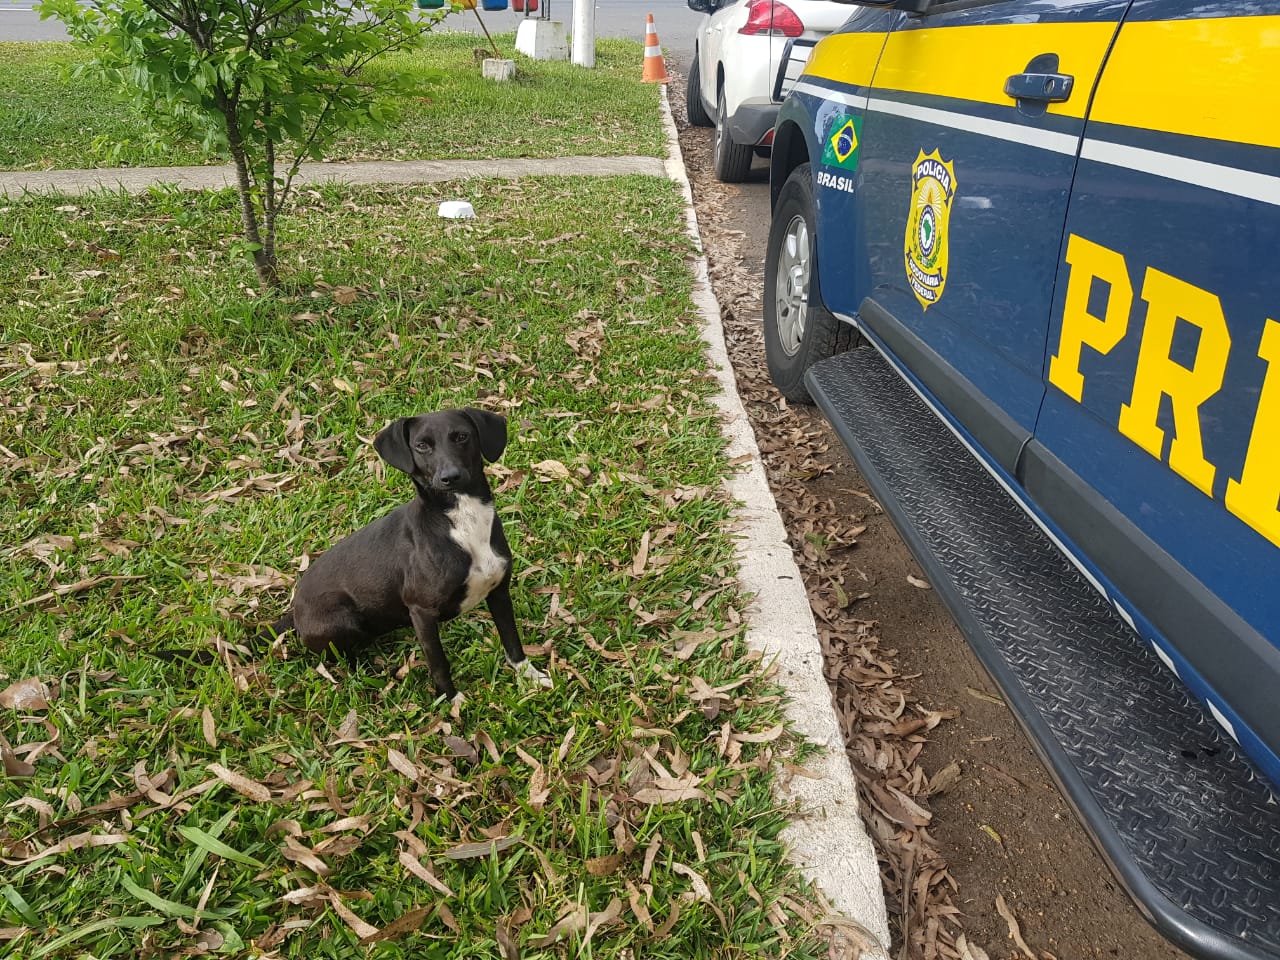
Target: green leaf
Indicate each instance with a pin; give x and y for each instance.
(128, 923)
(24, 909)
(206, 842)
(168, 907)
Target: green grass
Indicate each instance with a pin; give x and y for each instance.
(53, 120)
(175, 441)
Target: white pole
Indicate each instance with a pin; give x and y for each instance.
(584, 33)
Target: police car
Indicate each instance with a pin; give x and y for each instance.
(1025, 256)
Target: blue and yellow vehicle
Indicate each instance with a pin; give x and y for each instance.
(1025, 255)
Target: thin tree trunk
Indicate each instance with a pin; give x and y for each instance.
(270, 203)
(263, 259)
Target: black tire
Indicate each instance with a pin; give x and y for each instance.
(732, 161)
(693, 106)
(798, 329)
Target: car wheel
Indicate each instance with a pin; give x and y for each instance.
(798, 329)
(732, 161)
(693, 106)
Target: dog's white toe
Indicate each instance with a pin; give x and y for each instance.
(455, 706)
(528, 671)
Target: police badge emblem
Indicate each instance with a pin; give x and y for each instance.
(933, 185)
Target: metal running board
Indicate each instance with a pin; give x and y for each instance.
(1191, 830)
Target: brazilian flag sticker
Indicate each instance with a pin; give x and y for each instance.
(841, 149)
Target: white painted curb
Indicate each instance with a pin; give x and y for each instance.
(825, 837)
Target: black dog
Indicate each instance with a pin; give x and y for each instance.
(424, 562)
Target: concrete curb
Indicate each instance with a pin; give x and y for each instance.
(139, 179)
(825, 837)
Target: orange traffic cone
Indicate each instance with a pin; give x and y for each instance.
(655, 68)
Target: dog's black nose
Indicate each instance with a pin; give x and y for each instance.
(449, 478)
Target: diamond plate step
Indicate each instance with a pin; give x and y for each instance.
(1190, 829)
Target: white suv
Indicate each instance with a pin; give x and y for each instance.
(747, 55)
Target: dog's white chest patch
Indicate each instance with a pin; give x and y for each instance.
(472, 526)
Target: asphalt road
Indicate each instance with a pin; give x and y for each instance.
(19, 22)
(673, 20)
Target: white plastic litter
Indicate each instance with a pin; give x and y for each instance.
(457, 209)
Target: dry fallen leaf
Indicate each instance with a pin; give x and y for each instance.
(700, 888)
(29, 694)
(508, 945)
(207, 726)
(403, 925)
(77, 842)
(423, 873)
(917, 582)
(403, 765)
(469, 851)
(292, 849)
(565, 743)
(462, 749)
(604, 866)
(365, 931)
(240, 783)
(349, 729)
(15, 766)
(943, 780)
(979, 695)
(1015, 934)
(970, 951)
(604, 918)
(574, 921)
(848, 939)
(550, 470)
(580, 920)
(642, 556)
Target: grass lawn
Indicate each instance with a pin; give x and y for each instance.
(53, 120)
(174, 444)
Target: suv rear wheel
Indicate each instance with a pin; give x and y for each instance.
(732, 161)
(798, 330)
(693, 107)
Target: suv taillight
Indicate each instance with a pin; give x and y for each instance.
(772, 17)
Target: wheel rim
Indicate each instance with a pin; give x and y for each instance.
(791, 290)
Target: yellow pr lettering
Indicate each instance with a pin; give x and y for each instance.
(1168, 300)
(1255, 497)
(1080, 328)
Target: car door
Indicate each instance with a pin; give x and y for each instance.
(1163, 362)
(710, 46)
(970, 142)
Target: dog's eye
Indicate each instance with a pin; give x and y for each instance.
(423, 445)
(460, 437)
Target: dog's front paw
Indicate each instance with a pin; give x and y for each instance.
(455, 706)
(527, 671)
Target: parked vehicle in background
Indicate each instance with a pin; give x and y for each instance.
(747, 53)
(1026, 259)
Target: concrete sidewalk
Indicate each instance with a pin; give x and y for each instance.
(825, 836)
(215, 177)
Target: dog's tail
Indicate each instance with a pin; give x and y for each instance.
(258, 643)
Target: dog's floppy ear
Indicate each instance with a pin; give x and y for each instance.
(392, 445)
(491, 428)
